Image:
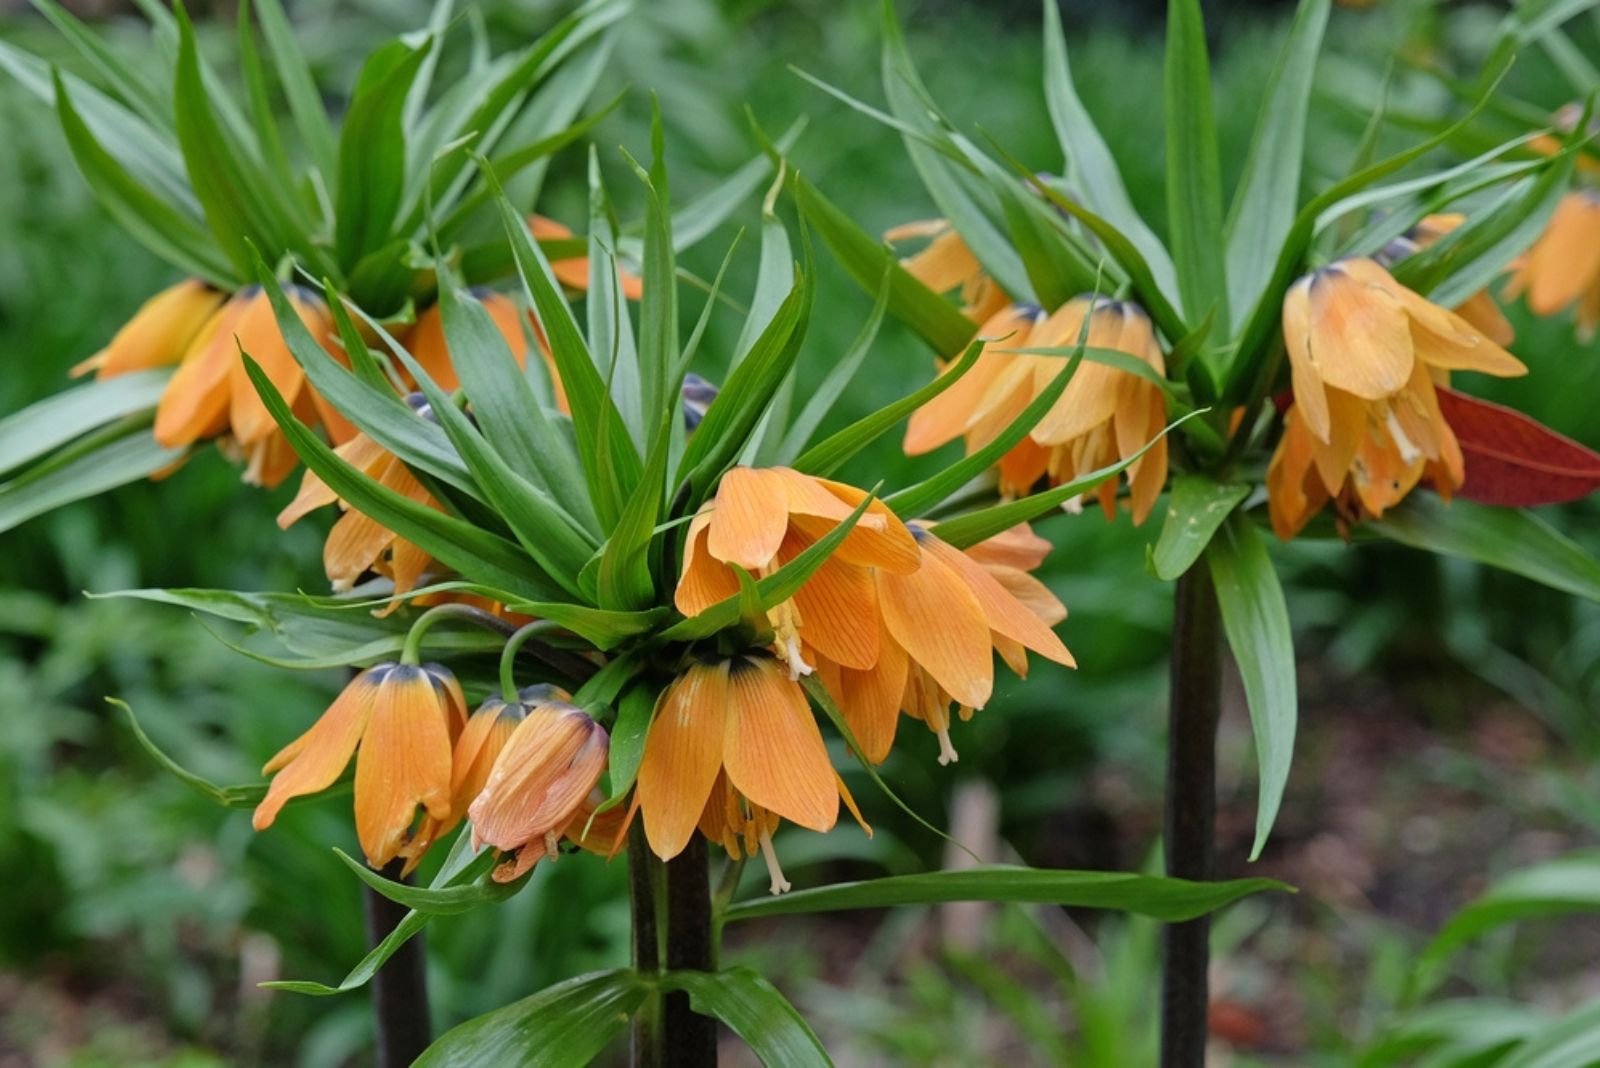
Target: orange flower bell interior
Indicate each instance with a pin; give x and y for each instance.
(1365, 354)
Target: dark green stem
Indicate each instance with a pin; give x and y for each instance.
(1193, 707)
(400, 986)
(643, 903)
(688, 1040)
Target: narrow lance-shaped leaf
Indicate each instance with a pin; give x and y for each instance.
(294, 75)
(35, 430)
(1507, 538)
(1169, 900)
(1090, 168)
(755, 1011)
(372, 150)
(1256, 622)
(1264, 202)
(564, 1025)
(1194, 177)
(866, 259)
(112, 456)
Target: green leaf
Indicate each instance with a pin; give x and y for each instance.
(475, 553)
(544, 529)
(698, 218)
(117, 454)
(1168, 900)
(1194, 177)
(477, 889)
(1508, 538)
(294, 75)
(913, 106)
(628, 732)
(561, 1026)
(247, 796)
(1195, 510)
(456, 863)
(658, 305)
(300, 631)
(372, 150)
(737, 409)
(1268, 193)
(832, 387)
(866, 260)
(1256, 623)
(514, 424)
(915, 500)
(146, 97)
(611, 463)
(611, 338)
(624, 580)
(1090, 168)
(1572, 1040)
(756, 1012)
(969, 529)
(826, 456)
(165, 229)
(1464, 1029)
(33, 431)
(1567, 886)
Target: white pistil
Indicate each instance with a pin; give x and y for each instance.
(552, 845)
(947, 752)
(797, 663)
(1408, 450)
(770, 855)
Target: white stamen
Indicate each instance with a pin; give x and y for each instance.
(768, 854)
(947, 752)
(1073, 505)
(797, 663)
(552, 845)
(1408, 450)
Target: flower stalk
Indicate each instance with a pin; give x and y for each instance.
(400, 985)
(1193, 709)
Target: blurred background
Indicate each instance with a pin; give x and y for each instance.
(1448, 727)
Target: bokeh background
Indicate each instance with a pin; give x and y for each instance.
(1448, 725)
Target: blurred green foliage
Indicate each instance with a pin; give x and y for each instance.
(159, 912)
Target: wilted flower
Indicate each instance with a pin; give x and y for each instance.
(1365, 426)
(538, 785)
(744, 721)
(159, 333)
(1563, 266)
(399, 721)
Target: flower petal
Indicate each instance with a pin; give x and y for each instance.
(682, 755)
(937, 619)
(772, 747)
(403, 762)
(748, 518)
(317, 758)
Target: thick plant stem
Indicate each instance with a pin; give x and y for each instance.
(1193, 707)
(400, 985)
(688, 1040)
(645, 1037)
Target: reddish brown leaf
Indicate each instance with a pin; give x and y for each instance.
(1513, 460)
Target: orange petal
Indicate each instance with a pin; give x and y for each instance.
(404, 761)
(195, 403)
(1006, 615)
(1360, 333)
(682, 755)
(772, 748)
(552, 761)
(870, 700)
(1307, 381)
(705, 580)
(937, 619)
(1018, 547)
(257, 336)
(159, 333)
(313, 761)
(838, 608)
(748, 518)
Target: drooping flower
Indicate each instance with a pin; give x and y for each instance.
(1563, 266)
(538, 785)
(159, 333)
(211, 395)
(358, 543)
(941, 626)
(1365, 354)
(742, 722)
(762, 518)
(399, 721)
(1479, 309)
(1106, 414)
(945, 263)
